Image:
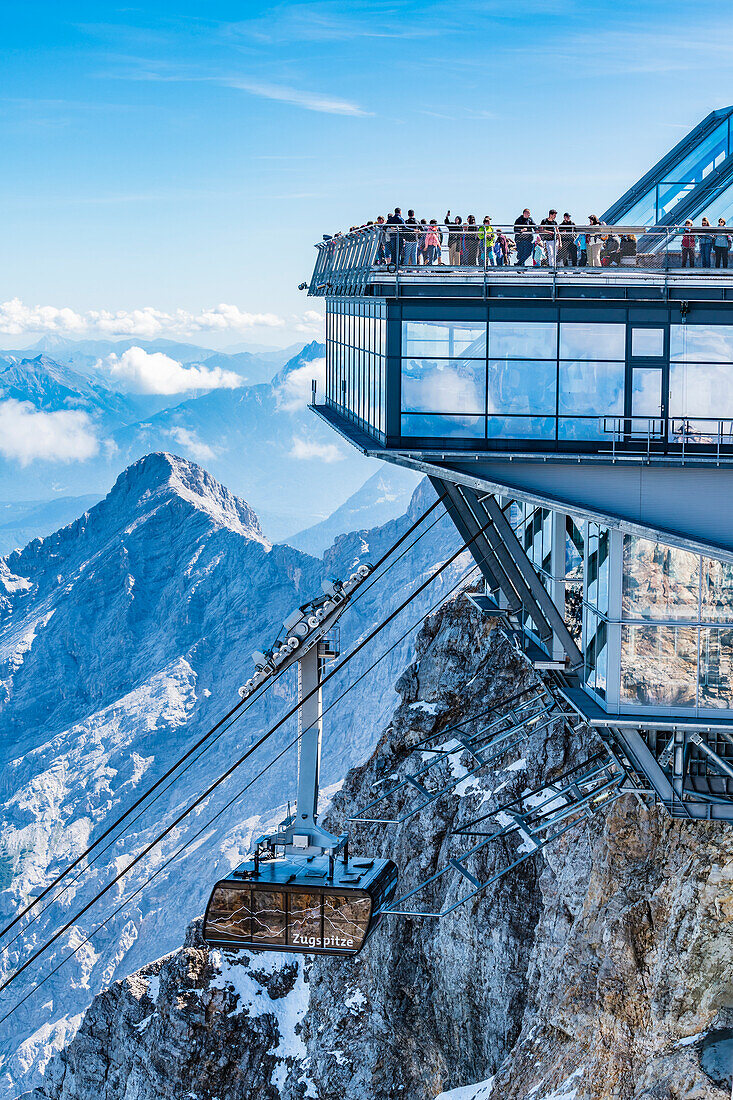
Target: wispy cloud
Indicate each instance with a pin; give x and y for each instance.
(196, 447)
(161, 72)
(309, 448)
(19, 319)
(310, 101)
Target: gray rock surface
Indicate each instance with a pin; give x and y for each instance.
(588, 974)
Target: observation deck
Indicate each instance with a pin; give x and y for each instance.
(606, 389)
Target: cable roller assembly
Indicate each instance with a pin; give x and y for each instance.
(305, 626)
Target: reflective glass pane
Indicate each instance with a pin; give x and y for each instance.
(646, 394)
(521, 427)
(443, 338)
(596, 654)
(345, 920)
(592, 340)
(578, 428)
(522, 339)
(574, 547)
(304, 920)
(522, 386)
(229, 913)
(268, 916)
(443, 385)
(590, 387)
(717, 590)
(701, 390)
(659, 582)
(647, 341)
(599, 548)
(704, 343)
(439, 427)
(716, 667)
(700, 161)
(659, 666)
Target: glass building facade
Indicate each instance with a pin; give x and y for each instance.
(658, 626)
(356, 348)
(500, 378)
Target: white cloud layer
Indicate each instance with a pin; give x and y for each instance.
(196, 447)
(143, 371)
(308, 448)
(27, 433)
(148, 323)
(296, 390)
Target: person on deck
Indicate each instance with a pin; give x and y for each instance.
(568, 247)
(549, 236)
(688, 245)
(393, 235)
(721, 244)
(706, 244)
(523, 236)
(455, 236)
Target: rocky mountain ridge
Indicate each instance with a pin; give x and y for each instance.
(591, 973)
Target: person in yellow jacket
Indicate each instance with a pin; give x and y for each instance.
(487, 241)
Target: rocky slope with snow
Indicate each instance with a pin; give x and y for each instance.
(124, 637)
(589, 973)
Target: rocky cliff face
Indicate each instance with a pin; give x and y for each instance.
(587, 974)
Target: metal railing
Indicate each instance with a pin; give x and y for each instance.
(345, 262)
(676, 434)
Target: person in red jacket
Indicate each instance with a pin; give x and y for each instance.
(688, 245)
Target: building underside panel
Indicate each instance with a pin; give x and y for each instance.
(685, 507)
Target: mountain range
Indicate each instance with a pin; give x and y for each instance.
(124, 637)
(242, 434)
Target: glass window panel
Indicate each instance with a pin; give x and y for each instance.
(717, 590)
(444, 338)
(579, 428)
(345, 920)
(659, 666)
(644, 211)
(522, 339)
(700, 161)
(716, 671)
(701, 390)
(659, 581)
(521, 427)
(592, 340)
(304, 920)
(443, 385)
(574, 547)
(591, 388)
(440, 427)
(705, 343)
(522, 386)
(598, 567)
(596, 654)
(646, 396)
(647, 341)
(229, 913)
(268, 916)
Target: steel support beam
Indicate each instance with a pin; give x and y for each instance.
(481, 551)
(541, 596)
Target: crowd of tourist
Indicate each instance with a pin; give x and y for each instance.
(410, 243)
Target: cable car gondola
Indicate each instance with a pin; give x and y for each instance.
(314, 905)
(300, 892)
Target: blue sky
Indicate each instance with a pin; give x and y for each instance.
(158, 158)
